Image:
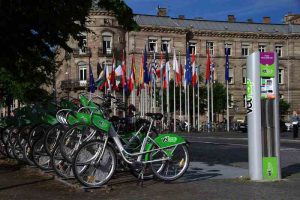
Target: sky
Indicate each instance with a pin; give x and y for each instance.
(219, 9)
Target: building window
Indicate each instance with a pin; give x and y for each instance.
(107, 44)
(83, 41)
(82, 73)
(165, 45)
(192, 47)
(230, 101)
(245, 100)
(280, 76)
(106, 21)
(152, 43)
(278, 49)
(262, 48)
(229, 48)
(281, 96)
(245, 49)
(210, 46)
(231, 77)
(244, 74)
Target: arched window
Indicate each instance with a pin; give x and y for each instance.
(82, 66)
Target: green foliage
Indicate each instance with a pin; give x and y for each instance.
(32, 31)
(283, 107)
(219, 97)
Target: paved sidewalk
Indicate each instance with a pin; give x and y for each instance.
(19, 182)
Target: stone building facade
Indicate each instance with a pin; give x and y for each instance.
(161, 32)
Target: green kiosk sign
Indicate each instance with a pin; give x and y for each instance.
(270, 168)
(267, 64)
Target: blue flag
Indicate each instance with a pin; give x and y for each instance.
(226, 66)
(92, 87)
(146, 76)
(188, 68)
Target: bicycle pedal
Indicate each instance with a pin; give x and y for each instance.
(137, 166)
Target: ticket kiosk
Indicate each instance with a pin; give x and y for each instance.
(263, 116)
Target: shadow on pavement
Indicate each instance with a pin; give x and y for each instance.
(24, 184)
(290, 170)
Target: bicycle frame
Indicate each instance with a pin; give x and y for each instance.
(113, 134)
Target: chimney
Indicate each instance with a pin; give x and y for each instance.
(266, 20)
(181, 16)
(250, 20)
(161, 12)
(231, 18)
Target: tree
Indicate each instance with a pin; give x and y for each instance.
(219, 98)
(283, 107)
(31, 34)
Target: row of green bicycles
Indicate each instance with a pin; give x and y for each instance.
(82, 139)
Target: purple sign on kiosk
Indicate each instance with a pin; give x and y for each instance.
(267, 67)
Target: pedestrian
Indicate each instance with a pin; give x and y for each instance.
(295, 122)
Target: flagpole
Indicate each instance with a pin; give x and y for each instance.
(174, 78)
(188, 107)
(208, 107)
(168, 102)
(227, 107)
(194, 119)
(180, 107)
(162, 90)
(198, 109)
(212, 100)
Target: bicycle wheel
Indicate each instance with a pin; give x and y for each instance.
(89, 169)
(52, 137)
(40, 158)
(60, 166)
(173, 168)
(73, 138)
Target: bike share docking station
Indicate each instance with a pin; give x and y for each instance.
(263, 116)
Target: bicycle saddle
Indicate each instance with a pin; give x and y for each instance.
(155, 116)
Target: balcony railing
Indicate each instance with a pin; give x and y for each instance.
(82, 52)
(104, 52)
(73, 84)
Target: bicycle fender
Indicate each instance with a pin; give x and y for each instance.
(164, 141)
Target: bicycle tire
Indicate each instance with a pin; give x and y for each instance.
(85, 164)
(161, 169)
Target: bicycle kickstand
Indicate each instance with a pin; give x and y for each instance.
(141, 178)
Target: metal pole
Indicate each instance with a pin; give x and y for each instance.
(180, 108)
(194, 119)
(254, 117)
(227, 107)
(174, 110)
(208, 107)
(188, 107)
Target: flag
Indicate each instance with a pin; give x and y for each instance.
(132, 75)
(113, 75)
(141, 78)
(100, 82)
(154, 70)
(166, 76)
(92, 82)
(187, 71)
(227, 66)
(99, 69)
(107, 82)
(194, 76)
(123, 71)
(176, 68)
(146, 76)
(207, 67)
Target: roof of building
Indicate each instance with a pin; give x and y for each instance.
(207, 25)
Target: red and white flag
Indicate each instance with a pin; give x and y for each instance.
(194, 75)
